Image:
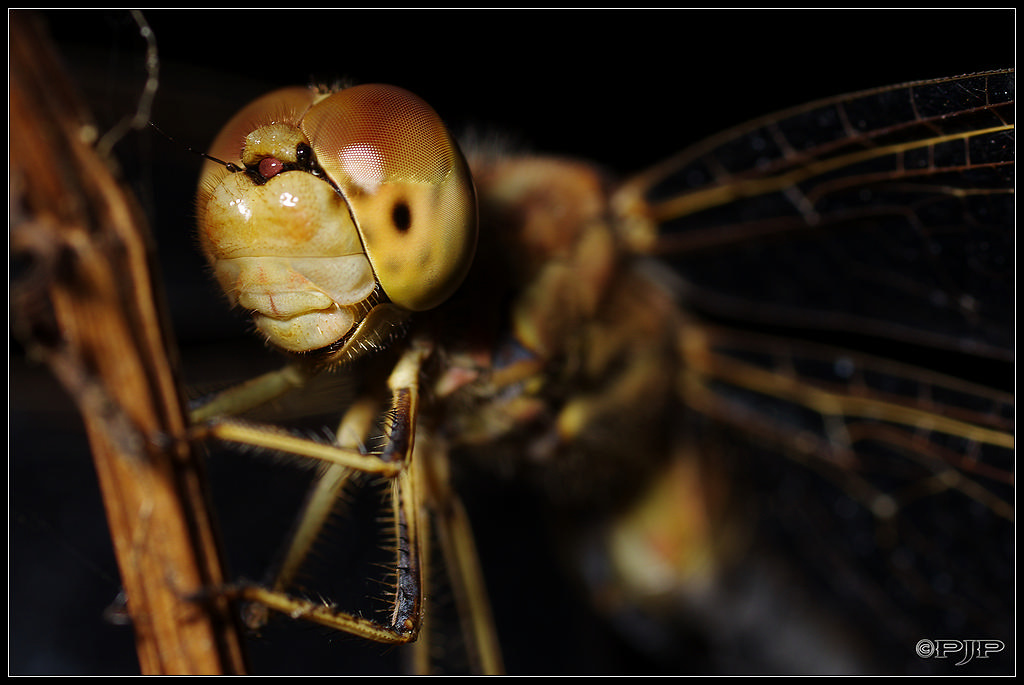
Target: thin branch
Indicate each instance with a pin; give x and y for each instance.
(87, 306)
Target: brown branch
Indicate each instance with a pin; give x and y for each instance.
(87, 306)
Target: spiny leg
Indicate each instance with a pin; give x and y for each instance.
(404, 386)
(392, 462)
(323, 497)
(253, 393)
(461, 560)
(404, 621)
(459, 548)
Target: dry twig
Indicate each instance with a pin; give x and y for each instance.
(88, 308)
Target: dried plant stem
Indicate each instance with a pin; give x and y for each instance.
(88, 308)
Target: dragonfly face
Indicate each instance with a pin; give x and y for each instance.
(354, 208)
(900, 511)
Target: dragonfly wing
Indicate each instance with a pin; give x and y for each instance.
(821, 249)
(888, 213)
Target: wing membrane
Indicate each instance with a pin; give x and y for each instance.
(900, 512)
(885, 215)
(900, 199)
(824, 403)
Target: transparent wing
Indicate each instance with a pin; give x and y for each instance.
(899, 199)
(890, 486)
(861, 233)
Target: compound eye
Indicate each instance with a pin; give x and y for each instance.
(407, 184)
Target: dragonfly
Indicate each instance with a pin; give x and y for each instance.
(575, 358)
(757, 383)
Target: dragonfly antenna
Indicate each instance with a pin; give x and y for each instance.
(228, 165)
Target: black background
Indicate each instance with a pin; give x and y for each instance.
(623, 88)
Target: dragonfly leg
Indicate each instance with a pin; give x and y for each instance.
(253, 393)
(461, 560)
(324, 494)
(342, 460)
(389, 462)
(406, 615)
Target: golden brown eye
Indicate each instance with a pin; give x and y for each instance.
(340, 192)
(410, 190)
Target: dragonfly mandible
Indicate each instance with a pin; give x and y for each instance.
(773, 389)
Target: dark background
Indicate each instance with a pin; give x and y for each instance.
(621, 88)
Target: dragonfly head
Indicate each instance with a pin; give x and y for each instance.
(344, 212)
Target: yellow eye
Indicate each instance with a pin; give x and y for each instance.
(410, 190)
(337, 193)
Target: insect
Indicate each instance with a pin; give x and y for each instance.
(765, 348)
(569, 373)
